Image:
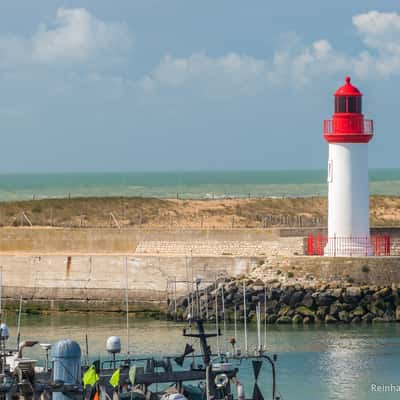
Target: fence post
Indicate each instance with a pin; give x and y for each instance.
(387, 245)
(334, 244)
(319, 244)
(310, 249)
(350, 245)
(377, 245)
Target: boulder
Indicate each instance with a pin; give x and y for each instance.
(382, 293)
(271, 306)
(336, 293)
(258, 285)
(271, 319)
(321, 312)
(291, 313)
(367, 318)
(283, 310)
(308, 300)
(389, 316)
(229, 297)
(365, 300)
(324, 299)
(296, 298)
(366, 290)
(398, 313)
(284, 320)
(305, 312)
(329, 319)
(274, 294)
(255, 298)
(308, 320)
(335, 308)
(297, 319)
(352, 295)
(237, 297)
(286, 295)
(353, 291)
(356, 320)
(344, 316)
(376, 309)
(359, 311)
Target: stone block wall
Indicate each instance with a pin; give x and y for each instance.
(242, 248)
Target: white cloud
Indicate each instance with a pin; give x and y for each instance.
(244, 73)
(292, 63)
(380, 32)
(234, 69)
(74, 36)
(375, 24)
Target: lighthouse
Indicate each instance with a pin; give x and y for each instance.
(348, 135)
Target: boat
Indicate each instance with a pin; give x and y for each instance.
(207, 375)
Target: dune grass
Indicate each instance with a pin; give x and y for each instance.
(152, 212)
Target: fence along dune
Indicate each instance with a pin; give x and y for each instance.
(151, 212)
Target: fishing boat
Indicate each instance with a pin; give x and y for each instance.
(188, 376)
(198, 373)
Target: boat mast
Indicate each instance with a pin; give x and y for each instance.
(127, 304)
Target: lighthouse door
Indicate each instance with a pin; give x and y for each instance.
(330, 171)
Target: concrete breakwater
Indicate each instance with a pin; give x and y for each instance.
(89, 269)
(292, 303)
(99, 282)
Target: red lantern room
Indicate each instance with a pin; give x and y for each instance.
(348, 124)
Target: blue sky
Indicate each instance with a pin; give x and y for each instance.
(188, 85)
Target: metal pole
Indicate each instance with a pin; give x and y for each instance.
(235, 322)
(258, 315)
(19, 322)
(175, 308)
(265, 319)
(207, 304)
(127, 303)
(1, 292)
(217, 322)
(223, 312)
(245, 316)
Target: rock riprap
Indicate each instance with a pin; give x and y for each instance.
(291, 303)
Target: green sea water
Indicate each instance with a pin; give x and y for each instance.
(314, 362)
(201, 184)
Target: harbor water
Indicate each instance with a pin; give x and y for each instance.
(314, 362)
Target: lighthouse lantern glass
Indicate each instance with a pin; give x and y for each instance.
(354, 104)
(348, 104)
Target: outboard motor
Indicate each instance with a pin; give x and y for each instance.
(66, 357)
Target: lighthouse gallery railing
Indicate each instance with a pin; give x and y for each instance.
(365, 126)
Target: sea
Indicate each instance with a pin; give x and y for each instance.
(184, 185)
(314, 362)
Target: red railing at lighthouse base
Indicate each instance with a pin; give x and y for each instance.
(337, 246)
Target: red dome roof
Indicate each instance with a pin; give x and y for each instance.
(348, 89)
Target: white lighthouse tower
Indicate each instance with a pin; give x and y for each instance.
(348, 135)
